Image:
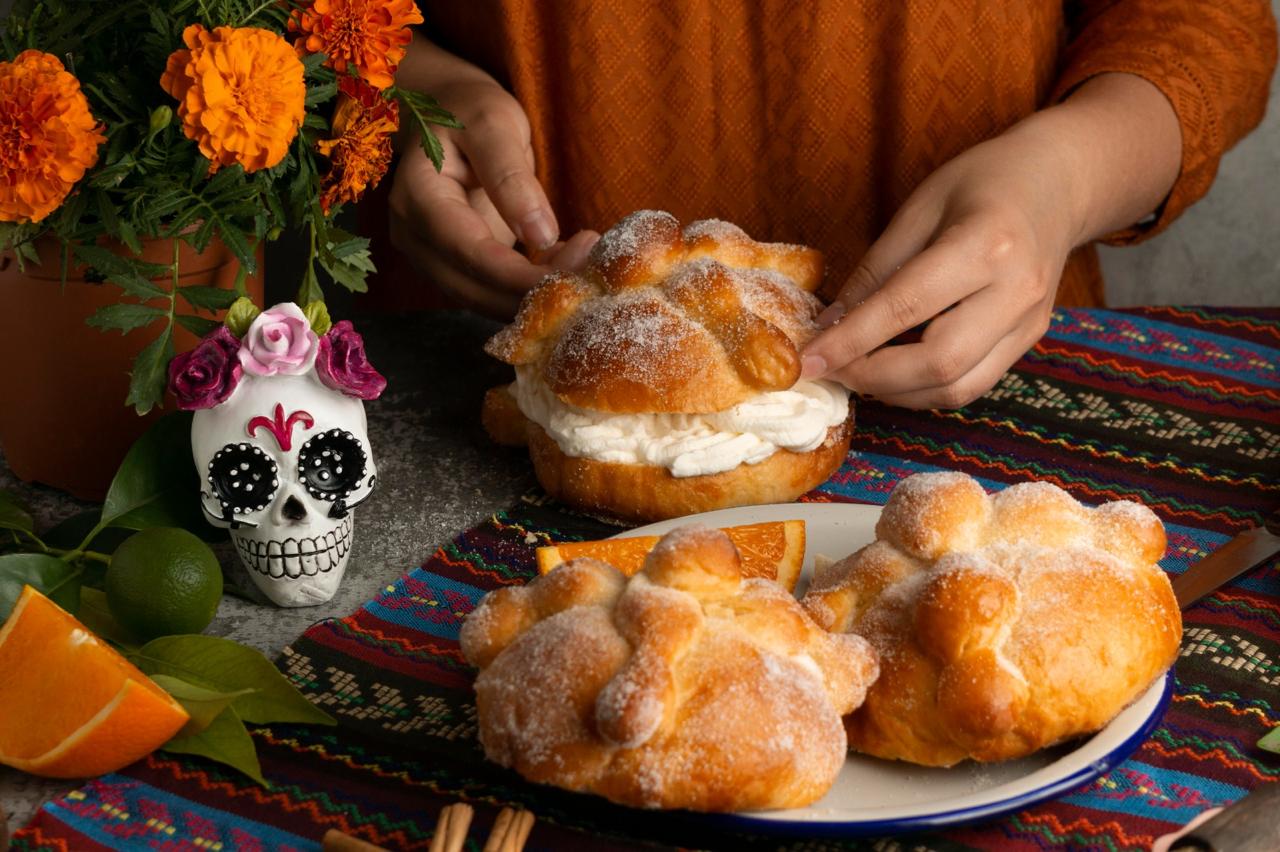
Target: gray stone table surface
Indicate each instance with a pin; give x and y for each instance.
(438, 474)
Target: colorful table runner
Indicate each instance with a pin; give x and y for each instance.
(1176, 407)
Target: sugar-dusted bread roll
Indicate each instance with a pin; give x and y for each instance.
(663, 380)
(685, 686)
(1005, 623)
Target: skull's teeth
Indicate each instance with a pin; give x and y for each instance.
(294, 558)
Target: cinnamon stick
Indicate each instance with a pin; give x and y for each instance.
(498, 834)
(459, 822)
(337, 841)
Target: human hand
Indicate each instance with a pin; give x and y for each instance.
(459, 225)
(978, 249)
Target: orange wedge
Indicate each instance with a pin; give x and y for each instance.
(70, 705)
(774, 549)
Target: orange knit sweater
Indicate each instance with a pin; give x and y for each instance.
(812, 121)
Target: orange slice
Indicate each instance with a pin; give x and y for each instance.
(70, 705)
(774, 549)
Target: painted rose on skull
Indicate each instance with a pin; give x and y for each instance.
(282, 444)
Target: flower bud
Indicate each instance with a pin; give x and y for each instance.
(160, 118)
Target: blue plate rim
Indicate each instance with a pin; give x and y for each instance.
(874, 828)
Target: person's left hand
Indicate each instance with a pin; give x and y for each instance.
(976, 251)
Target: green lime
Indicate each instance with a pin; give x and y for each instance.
(163, 581)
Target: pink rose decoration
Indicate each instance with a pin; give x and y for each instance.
(343, 365)
(279, 342)
(208, 374)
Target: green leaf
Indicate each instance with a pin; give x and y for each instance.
(318, 315)
(199, 326)
(226, 666)
(208, 298)
(352, 266)
(1271, 742)
(129, 236)
(349, 275)
(13, 515)
(425, 111)
(423, 104)
(95, 614)
(225, 740)
(312, 62)
(114, 174)
(319, 94)
(107, 212)
(203, 705)
(146, 383)
(241, 315)
(57, 580)
(239, 245)
(137, 286)
(69, 533)
(125, 316)
(309, 291)
(109, 263)
(156, 484)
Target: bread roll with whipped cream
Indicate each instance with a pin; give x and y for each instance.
(664, 379)
(1004, 623)
(685, 686)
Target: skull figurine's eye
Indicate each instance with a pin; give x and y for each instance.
(243, 478)
(331, 465)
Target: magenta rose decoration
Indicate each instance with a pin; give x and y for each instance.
(342, 364)
(280, 342)
(208, 374)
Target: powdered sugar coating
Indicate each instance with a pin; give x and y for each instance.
(695, 689)
(626, 242)
(1037, 617)
(666, 322)
(634, 337)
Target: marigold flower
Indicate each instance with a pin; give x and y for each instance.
(48, 137)
(367, 35)
(360, 149)
(240, 94)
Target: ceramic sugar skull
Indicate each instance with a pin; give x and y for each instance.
(281, 443)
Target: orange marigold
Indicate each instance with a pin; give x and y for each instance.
(48, 138)
(367, 35)
(240, 94)
(360, 149)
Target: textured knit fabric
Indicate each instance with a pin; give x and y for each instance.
(811, 122)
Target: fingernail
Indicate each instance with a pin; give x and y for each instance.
(812, 366)
(831, 315)
(537, 230)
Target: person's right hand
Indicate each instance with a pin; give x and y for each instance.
(459, 226)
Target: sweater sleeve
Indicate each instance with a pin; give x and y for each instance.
(1212, 60)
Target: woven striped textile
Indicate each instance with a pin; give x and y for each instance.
(1176, 407)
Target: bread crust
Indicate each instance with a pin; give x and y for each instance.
(669, 320)
(644, 493)
(685, 686)
(1006, 623)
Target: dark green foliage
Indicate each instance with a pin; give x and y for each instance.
(151, 182)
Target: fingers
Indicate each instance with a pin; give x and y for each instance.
(570, 256)
(434, 216)
(972, 384)
(926, 285)
(905, 236)
(497, 147)
(952, 346)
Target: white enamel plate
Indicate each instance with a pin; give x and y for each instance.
(875, 797)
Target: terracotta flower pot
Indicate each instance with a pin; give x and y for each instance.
(63, 418)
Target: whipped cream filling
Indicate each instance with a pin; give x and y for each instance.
(796, 419)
